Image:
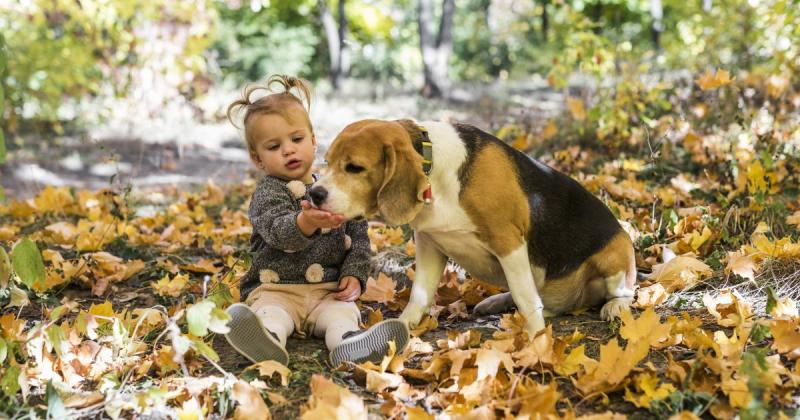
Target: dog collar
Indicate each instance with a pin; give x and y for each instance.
(427, 164)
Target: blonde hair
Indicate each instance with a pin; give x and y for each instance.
(276, 102)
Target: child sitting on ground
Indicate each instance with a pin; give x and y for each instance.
(309, 265)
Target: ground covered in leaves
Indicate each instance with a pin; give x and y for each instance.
(113, 301)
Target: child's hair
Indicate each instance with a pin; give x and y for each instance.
(273, 103)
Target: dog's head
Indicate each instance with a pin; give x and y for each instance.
(373, 169)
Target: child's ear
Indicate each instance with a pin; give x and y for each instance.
(313, 139)
(256, 160)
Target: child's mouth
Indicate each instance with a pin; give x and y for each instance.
(294, 164)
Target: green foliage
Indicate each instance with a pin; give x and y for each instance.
(76, 49)
(27, 262)
(282, 38)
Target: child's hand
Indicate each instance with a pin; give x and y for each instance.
(349, 289)
(311, 219)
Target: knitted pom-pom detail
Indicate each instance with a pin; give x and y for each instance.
(314, 273)
(348, 242)
(268, 276)
(297, 188)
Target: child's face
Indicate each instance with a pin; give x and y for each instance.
(284, 147)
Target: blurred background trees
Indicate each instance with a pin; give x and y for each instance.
(70, 63)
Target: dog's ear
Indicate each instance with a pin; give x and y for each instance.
(400, 196)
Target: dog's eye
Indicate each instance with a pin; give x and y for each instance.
(353, 169)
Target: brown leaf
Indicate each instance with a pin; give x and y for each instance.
(330, 401)
(680, 273)
(381, 290)
(251, 405)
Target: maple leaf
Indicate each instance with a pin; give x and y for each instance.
(171, 287)
(328, 401)
(710, 80)
(742, 265)
(489, 360)
(647, 328)
(613, 366)
(649, 390)
(787, 337)
(251, 405)
(652, 295)
(680, 273)
(728, 307)
(267, 368)
(576, 108)
(381, 290)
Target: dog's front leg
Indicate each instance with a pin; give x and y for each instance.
(430, 265)
(517, 268)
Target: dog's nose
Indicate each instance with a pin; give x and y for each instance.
(318, 195)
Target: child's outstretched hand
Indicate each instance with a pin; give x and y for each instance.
(311, 219)
(349, 289)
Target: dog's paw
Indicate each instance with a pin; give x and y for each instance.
(614, 307)
(496, 304)
(411, 317)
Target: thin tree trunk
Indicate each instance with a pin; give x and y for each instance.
(657, 12)
(545, 20)
(435, 51)
(335, 37)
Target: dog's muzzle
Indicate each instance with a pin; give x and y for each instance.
(318, 195)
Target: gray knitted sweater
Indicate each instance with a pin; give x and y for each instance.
(282, 254)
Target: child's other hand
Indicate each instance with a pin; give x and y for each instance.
(319, 219)
(349, 289)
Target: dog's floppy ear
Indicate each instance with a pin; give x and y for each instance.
(400, 196)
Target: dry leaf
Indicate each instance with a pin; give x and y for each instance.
(251, 405)
(381, 290)
(680, 273)
(330, 401)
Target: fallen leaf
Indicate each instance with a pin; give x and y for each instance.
(680, 273)
(267, 368)
(330, 401)
(381, 290)
(251, 405)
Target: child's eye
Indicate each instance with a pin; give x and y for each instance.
(353, 169)
(272, 147)
(297, 139)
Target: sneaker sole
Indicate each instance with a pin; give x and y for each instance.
(248, 336)
(372, 345)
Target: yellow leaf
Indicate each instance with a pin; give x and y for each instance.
(742, 265)
(680, 273)
(647, 328)
(171, 287)
(489, 360)
(251, 405)
(652, 295)
(728, 307)
(576, 108)
(330, 401)
(267, 368)
(417, 413)
(710, 80)
(381, 290)
(550, 130)
(190, 410)
(649, 390)
(794, 219)
(787, 337)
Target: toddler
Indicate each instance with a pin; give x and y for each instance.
(309, 265)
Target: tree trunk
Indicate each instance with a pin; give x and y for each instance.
(335, 36)
(435, 51)
(657, 12)
(545, 20)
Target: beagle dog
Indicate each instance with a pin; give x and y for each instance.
(501, 215)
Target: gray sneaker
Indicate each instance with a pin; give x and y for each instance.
(250, 338)
(371, 344)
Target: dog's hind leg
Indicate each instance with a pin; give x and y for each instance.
(430, 266)
(495, 304)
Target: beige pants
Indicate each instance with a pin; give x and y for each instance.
(305, 308)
